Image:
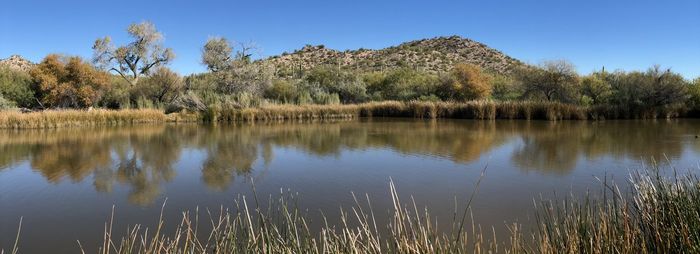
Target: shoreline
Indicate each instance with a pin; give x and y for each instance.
(478, 110)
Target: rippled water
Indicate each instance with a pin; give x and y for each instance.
(65, 182)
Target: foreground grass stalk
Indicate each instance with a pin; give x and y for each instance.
(657, 215)
(282, 228)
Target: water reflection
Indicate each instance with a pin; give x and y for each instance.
(143, 158)
(558, 147)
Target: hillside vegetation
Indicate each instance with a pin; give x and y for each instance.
(134, 74)
(436, 55)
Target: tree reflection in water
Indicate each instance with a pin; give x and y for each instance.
(143, 158)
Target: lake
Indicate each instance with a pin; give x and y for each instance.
(64, 183)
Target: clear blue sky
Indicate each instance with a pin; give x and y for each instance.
(626, 35)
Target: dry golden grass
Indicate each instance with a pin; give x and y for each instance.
(482, 110)
(77, 118)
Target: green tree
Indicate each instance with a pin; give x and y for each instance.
(596, 87)
(216, 54)
(642, 91)
(235, 74)
(16, 86)
(137, 58)
(162, 86)
(551, 80)
(694, 94)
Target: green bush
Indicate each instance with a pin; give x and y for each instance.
(505, 88)
(161, 87)
(694, 92)
(334, 80)
(305, 98)
(641, 93)
(247, 100)
(145, 103)
(402, 84)
(200, 82)
(595, 88)
(694, 95)
(6, 104)
(326, 98)
(16, 87)
(282, 91)
(118, 96)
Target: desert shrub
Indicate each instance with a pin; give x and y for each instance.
(596, 88)
(402, 84)
(326, 98)
(374, 83)
(69, 82)
(16, 86)
(333, 80)
(244, 77)
(210, 97)
(505, 88)
(161, 86)
(642, 93)
(245, 99)
(118, 96)
(282, 91)
(5, 103)
(694, 94)
(305, 98)
(144, 103)
(200, 81)
(467, 82)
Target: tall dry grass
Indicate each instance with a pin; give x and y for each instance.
(482, 110)
(283, 228)
(77, 118)
(659, 215)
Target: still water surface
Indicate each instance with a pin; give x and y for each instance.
(65, 182)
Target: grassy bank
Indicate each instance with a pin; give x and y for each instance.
(656, 215)
(483, 110)
(77, 118)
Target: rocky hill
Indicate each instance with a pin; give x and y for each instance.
(16, 62)
(433, 55)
